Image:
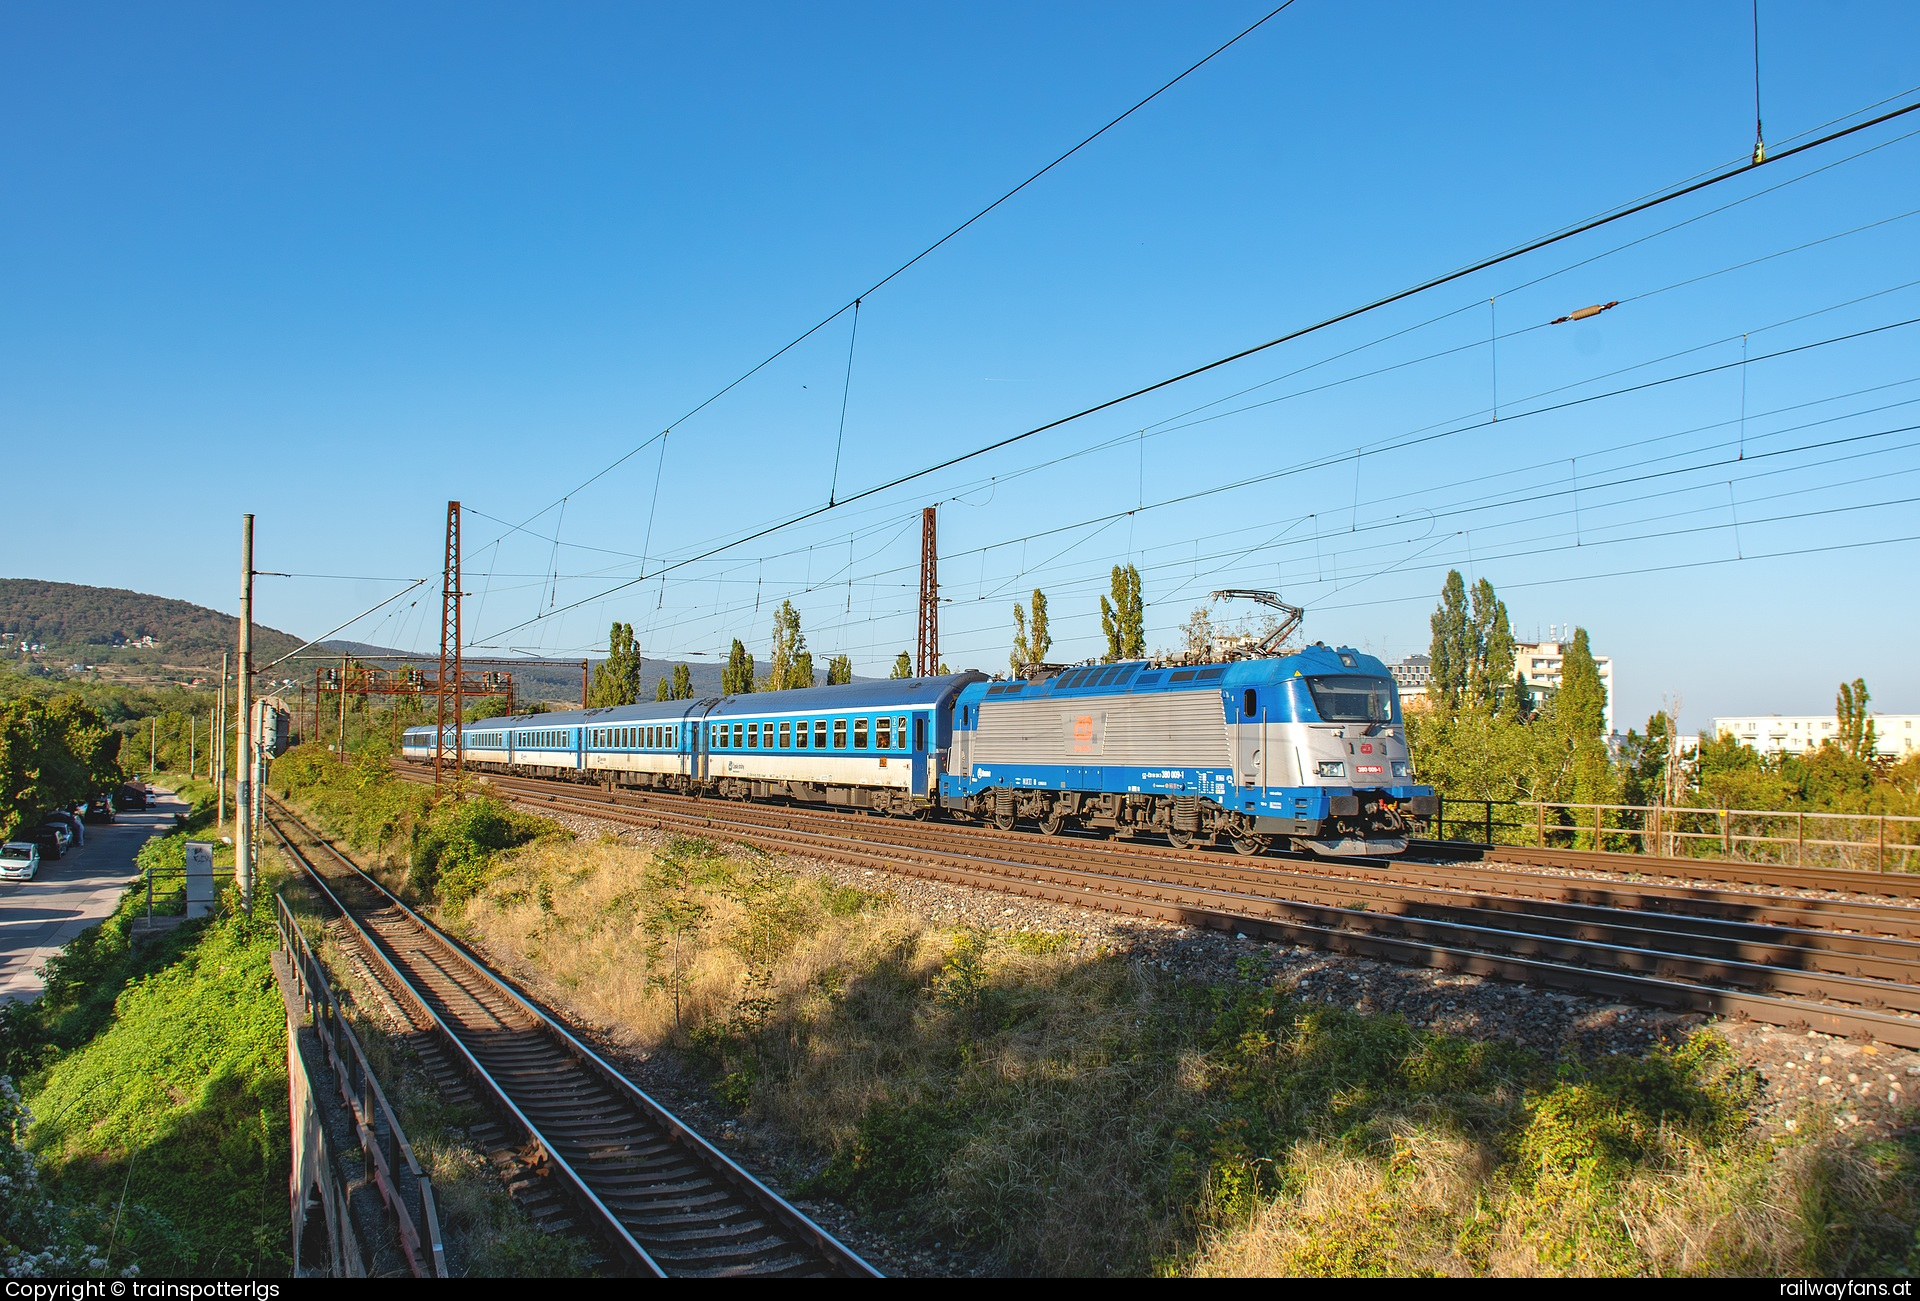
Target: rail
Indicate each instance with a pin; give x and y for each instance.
(609, 1222)
(385, 1155)
(1891, 842)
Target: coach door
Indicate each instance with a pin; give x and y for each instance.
(920, 757)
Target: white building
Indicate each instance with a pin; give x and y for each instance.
(1895, 735)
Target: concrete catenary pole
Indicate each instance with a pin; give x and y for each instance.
(243, 758)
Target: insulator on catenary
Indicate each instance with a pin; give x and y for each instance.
(1583, 313)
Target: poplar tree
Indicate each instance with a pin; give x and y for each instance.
(682, 683)
(1123, 618)
(1580, 710)
(1856, 738)
(661, 688)
(1489, 648)
(790, 663)
(617, 679)
(1452, 638)
(839, 670)
(1031, 640)
(902, 666)
(737, 678)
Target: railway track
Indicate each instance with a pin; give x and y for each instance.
(664, 1201)
(1774, 876)
(1844, 967)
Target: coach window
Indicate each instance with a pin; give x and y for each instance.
(839, 733)
(819, 733)
(859, 733)
(883, 733)
(738, 729)
(753, 736)
(786, 735)
(800, 735)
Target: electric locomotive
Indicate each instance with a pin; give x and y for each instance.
(1308, 748)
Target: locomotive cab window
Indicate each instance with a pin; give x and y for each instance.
(1250, 703)
(1346, 698)
(859, 733)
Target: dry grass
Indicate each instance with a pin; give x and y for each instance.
(1067, 1115)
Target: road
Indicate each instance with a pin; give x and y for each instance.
(38, 917)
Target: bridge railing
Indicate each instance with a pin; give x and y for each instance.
(389, 1156)
(1870, 842)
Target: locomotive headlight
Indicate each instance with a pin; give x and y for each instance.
(1402, 768)
(1331, 768)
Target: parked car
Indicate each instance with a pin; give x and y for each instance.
(47, 838)
(99, 809)
(132, 797)
(60, 829)
(75, 828)
(19, 860)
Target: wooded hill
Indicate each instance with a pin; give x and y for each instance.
(96, 625)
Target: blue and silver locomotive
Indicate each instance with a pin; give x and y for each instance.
(1305, 750)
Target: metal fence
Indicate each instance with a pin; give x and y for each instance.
(1871, 842)
(389, 1157)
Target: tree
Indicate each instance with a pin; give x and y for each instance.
(1196, 634)
(661, 688)
(487, 707)
(1643, 762)
(1450, 650)
(902, 666)
(1031, 640)
(1489, 648)
(737, 678)
(790, 662)
(839, 670)
(1123, 619)
(1856, 737)
(617, 680)
(682, 683)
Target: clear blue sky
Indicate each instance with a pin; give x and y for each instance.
(336, 267)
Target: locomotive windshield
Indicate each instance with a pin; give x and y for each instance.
(1352, 699)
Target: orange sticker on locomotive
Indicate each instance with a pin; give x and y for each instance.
(1083, 734)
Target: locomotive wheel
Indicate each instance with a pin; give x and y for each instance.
(1054, 823)
(1004, 821)
(1179, 839)
(1251, 845)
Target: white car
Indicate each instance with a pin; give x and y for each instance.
(19, 860)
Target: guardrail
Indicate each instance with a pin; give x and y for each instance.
(389, 1157)
(1879, 842)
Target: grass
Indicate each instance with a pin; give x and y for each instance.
(1066, 1114)
(156, 1077)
